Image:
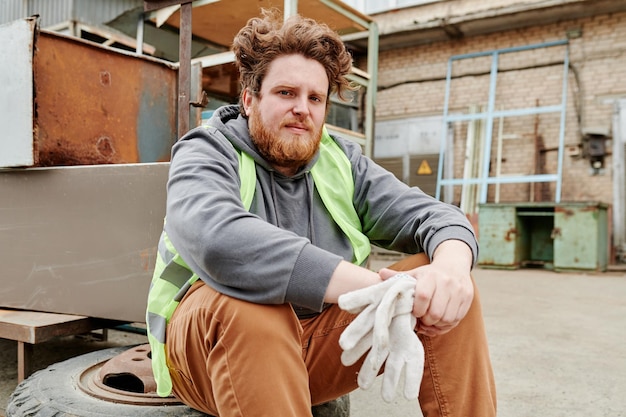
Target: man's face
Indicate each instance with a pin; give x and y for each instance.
(287, 116)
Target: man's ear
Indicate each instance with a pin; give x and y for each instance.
(246, 100)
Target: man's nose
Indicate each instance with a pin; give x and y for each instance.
(301, 106)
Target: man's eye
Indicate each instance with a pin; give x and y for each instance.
(284, 93)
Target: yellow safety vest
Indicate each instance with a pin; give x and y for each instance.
(172, 278)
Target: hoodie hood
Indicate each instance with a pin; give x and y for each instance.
(230, 122)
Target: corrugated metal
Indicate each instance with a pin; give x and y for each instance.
(53, 12)
(98, 11)
(11, 10)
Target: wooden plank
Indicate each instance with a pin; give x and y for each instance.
(35, 327)
(30, 327)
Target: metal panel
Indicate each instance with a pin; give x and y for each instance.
(410, 135)
(98, 11)
(423, 172)
(16, 107)
(82, 239)
(499, 236)
(51, 12)
(11, 10)
(581, 236)
(96, 105)
(393, 165)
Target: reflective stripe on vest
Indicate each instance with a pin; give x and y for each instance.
(172, 278)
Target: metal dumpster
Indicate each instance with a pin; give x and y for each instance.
(559, 236)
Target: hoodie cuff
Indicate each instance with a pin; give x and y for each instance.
(454, 233)
(310, 277)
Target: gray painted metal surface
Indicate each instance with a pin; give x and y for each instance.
(81, 240)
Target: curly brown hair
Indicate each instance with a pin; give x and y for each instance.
(265, 38)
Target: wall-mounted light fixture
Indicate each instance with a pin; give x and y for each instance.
(594, 147)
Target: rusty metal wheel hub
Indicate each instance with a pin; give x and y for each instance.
(126, 378)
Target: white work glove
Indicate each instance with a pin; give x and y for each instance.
(406, 353)
(356, 339)
(385, 326)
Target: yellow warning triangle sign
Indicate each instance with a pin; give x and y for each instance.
(424, 168)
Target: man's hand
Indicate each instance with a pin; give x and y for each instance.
(443, 288)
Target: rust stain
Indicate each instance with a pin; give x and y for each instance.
(148, 257)
(88, 102)
(105, 78)
(567, 211)
(510, 235)
(590, 208)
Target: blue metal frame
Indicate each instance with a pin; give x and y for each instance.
(492, 113)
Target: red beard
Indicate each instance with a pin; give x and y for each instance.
(283, 149)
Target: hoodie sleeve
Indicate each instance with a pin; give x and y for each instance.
(402, 218)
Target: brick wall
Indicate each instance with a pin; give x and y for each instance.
(412, 83)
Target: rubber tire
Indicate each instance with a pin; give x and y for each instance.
(53, 392)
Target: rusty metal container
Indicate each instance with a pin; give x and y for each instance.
(82, 103)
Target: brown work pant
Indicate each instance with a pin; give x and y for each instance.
(231, 358)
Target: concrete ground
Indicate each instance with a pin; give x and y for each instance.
(557, 340)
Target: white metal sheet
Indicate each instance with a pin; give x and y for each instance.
(16, 96)
(412, 136)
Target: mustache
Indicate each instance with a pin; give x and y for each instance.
(306, 122)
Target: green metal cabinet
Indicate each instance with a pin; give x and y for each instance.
(498, 236)
(560, 236)
(581, 238)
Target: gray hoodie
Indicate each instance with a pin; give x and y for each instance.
(286, 247)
